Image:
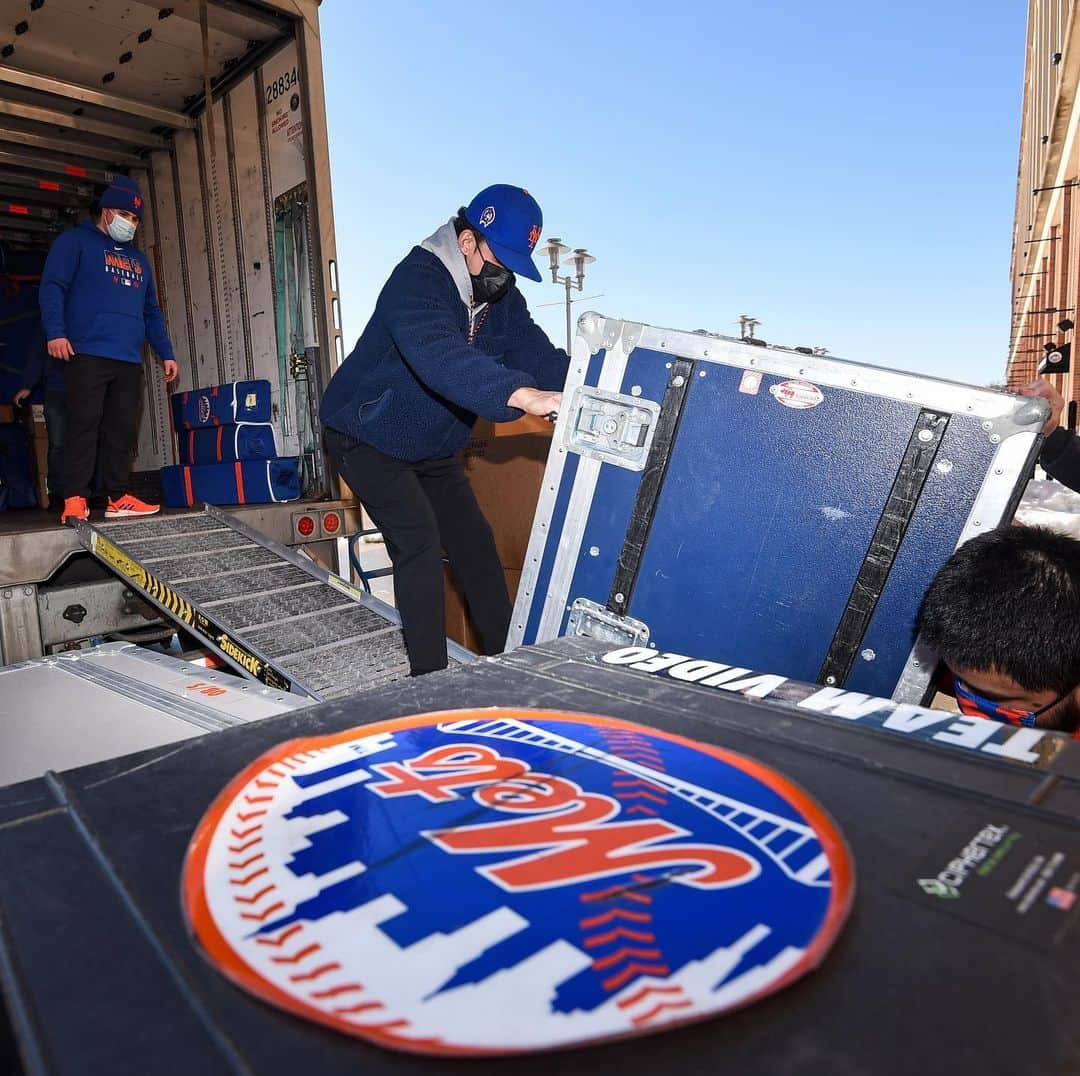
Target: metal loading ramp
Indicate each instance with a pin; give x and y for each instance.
(269, 611)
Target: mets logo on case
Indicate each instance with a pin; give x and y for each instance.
(204, 409)
(503, 881)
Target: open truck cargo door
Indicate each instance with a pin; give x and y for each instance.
(238, 221)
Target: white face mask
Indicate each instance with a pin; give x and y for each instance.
(121, 229)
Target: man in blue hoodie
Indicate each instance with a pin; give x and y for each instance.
(450, 339)
(99, 307)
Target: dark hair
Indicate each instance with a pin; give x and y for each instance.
(461, 224)
(1010, 601)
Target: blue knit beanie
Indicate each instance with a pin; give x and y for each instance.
(123, 193)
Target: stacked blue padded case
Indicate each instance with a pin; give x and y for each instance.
(227, 450)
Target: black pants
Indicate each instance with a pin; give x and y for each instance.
(421, 509)
(55, 427)
(102, 421)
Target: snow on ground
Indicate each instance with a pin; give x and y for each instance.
(1047, 503)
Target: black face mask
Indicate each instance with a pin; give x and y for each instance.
(491, 283)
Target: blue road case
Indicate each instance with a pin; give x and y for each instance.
(223, 444)
(762, 506)
(222, 405)
(239, 482)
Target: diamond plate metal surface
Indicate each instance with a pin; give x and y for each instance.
(348, 669)
(156, 526)
(150, 550)
(261, 609)
(306, 633)
(177, 569)
(215, 588)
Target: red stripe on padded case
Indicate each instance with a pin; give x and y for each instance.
(220, 431)
(187, 487)
(239, 483)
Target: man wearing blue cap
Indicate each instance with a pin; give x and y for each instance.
(99, 307)
(450, 339)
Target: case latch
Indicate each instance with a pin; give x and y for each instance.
(613, 428)
(596, 622)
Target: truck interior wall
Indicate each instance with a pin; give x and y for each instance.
(216, 200)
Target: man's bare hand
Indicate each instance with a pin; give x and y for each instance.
(535, 401)
(19, 396)
(1047, 391)
(171, 370)
(61, 348)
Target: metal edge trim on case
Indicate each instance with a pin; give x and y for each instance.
(569, 548)
(590, 329)
(935, 393)
(991, 505)
(631, 334)
(583, 350)
(1031, 412)
(577, 512)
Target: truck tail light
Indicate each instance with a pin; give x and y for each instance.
(304, 525)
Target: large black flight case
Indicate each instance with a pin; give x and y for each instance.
(942, 966)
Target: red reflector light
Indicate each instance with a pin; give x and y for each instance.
(48, 185)
(305, 526)
(331, 522)
(74, 170)
(19, 209)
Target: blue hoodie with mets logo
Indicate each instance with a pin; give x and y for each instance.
(100, 295)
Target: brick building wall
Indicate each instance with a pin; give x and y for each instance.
(1046, 236)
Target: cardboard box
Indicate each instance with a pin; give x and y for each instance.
(459, 625)
(7, 413)
(505, 464)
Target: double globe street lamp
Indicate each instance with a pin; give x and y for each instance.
(578, 259)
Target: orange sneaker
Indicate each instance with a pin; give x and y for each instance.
(129, 506)
(75, 508)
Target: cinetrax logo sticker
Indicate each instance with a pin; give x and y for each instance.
(934, 887)
(500, 881)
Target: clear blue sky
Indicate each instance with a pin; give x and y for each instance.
(844, 171)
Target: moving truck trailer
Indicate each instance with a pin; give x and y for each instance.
(215, 108)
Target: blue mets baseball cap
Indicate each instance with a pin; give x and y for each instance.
(123, 193)
(510, 221)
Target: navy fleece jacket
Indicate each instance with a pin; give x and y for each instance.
(413, 386)
(100, 295)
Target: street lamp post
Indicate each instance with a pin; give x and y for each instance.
(578, 259)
